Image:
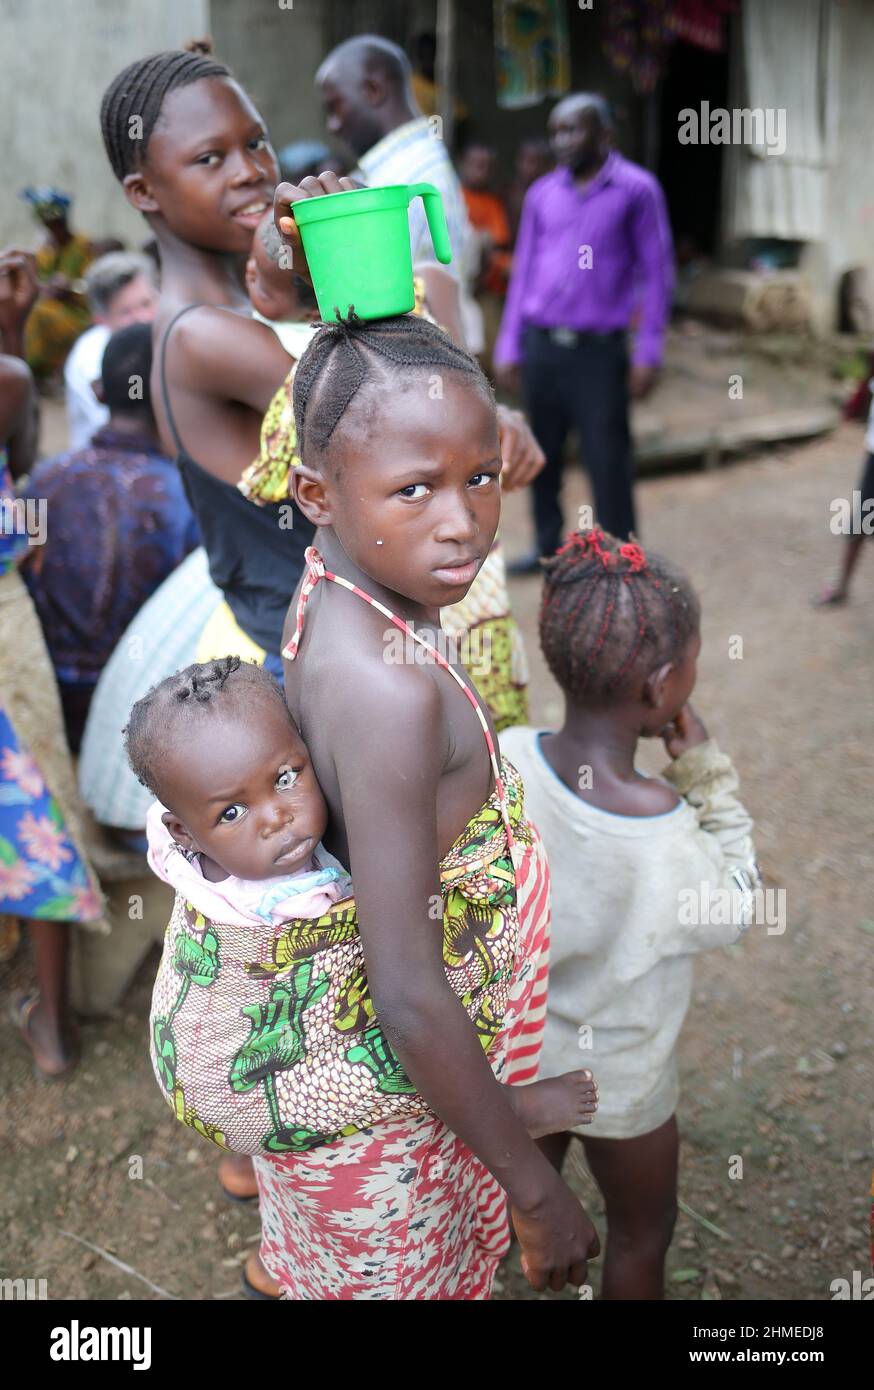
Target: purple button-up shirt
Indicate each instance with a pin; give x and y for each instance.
(586, 260)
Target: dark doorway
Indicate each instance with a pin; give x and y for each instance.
(691, 175)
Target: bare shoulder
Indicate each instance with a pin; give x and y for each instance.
(362, 700)
(16, 382)
(387, 693)
(208, 333)
(228, 357)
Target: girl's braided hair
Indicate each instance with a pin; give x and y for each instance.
(189, 694)
(610, 614)
(345, 355)
(137, 95)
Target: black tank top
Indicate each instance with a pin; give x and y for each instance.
(256, 554)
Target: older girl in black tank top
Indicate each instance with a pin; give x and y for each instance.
(198, 164)
(256, 553)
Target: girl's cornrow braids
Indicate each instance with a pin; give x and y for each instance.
(132, 102)
(344, 354)
(611, 598)
(633, 653)
(670, 603)
(593, 638)
(581, 605)
(333, 353)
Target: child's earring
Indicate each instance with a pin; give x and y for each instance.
(379, 542)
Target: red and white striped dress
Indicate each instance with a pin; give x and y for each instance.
(405, 1210)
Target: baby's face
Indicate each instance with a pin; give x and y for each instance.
(244, 793)
(271, 289)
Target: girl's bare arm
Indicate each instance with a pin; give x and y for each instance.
(389, 781)
(228, 356)
(223, 370)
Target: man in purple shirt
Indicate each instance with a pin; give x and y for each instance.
(594, 246)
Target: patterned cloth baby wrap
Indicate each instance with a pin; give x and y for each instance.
(266, 1042)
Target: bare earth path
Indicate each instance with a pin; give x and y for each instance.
(778, 1052)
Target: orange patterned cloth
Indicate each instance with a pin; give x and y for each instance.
(488, 217)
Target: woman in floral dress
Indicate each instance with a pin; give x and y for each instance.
(44, 875)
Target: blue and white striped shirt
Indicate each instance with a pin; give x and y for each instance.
(415, 153)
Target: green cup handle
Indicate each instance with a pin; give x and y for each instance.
(436, 218)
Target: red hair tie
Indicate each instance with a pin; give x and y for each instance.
(588, 543)
(633, 553)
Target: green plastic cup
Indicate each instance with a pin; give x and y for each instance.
(357, 245)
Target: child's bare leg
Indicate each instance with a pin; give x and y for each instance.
(838, 592)
(638, 1181)
(556, 1104)
(555, 1147)
(45, 1023)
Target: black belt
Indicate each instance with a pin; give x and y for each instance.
(572, 337)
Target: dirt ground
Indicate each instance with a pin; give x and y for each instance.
(777, 1054)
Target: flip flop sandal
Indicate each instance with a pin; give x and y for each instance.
(251, 1291)
(234, 1197)
(20, 1011)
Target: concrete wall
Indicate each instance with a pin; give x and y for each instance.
(274, 53)
(55, 63)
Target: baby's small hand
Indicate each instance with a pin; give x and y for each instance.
(684, 732)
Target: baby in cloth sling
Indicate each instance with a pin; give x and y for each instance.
(263, 1036)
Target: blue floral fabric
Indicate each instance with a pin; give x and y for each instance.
(41, 874)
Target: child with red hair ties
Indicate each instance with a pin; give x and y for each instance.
(632, 859)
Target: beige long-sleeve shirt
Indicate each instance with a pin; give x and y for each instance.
(633, 899)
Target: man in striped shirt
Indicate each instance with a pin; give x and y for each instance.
(369, 104)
